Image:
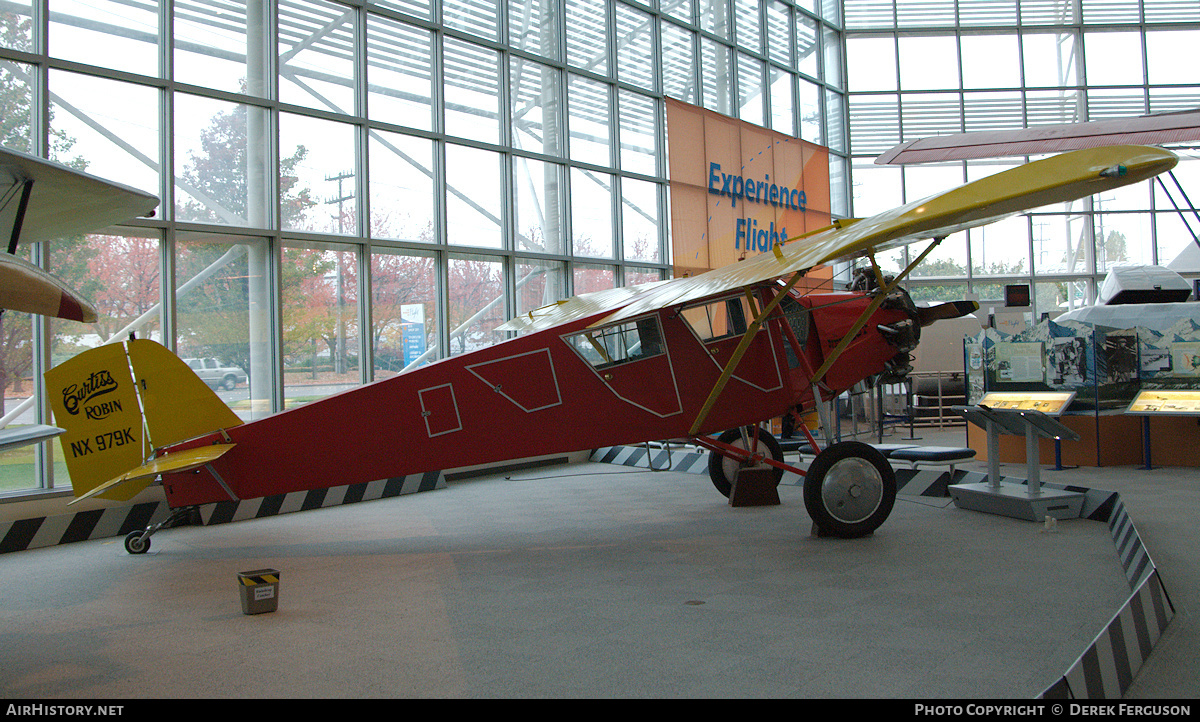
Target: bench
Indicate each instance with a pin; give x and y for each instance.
(916, 456)
(889, 449)
(803, 447)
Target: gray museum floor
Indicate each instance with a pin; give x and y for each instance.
(595, 580)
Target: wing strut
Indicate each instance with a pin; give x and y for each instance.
(740, 351)
(1187, 224)
(19, 221)
(876, 302)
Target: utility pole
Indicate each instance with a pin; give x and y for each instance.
(339, 353)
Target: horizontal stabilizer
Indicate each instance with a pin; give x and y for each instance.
(942, 311)
(171, 463)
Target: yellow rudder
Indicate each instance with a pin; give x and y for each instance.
(93, 397)
(177, 403)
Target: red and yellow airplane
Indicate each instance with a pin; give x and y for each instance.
(706, 358)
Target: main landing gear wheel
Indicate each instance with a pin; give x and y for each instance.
(723, 470)
(137, 542)
(849, 490)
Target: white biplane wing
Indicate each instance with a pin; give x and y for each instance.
(1155, 129)
(46, 201)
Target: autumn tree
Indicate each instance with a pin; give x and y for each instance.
(399, 280)
(475, 304)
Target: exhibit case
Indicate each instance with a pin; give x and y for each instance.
(1106, 367)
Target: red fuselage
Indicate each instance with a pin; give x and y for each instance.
(544, 393)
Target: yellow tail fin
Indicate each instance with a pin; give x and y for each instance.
(178, 405)
(114, 424)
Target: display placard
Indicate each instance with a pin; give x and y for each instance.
(1051, 403)
(1165, 402)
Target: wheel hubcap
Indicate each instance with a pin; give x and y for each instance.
(731, 466)
(852, 490)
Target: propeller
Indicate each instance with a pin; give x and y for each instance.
(952, 309)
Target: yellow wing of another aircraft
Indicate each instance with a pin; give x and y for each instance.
(1057, 179)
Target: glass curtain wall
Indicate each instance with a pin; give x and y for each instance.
(929, 67)
(352, 188)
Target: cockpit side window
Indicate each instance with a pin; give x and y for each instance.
(796, 317)
(719, 319)
(619, 343)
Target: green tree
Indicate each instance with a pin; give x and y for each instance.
(1114, 249)
(222, 171)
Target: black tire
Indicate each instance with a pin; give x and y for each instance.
(136, 544)
(229, 383)
(722, 469)
(849, 490)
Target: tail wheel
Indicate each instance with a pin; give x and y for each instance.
(849, 490)
(723, 470)
(137, 542)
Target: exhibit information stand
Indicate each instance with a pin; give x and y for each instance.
(1161, 402)
(1031, 416)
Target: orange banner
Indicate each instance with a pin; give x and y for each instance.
(738, 189)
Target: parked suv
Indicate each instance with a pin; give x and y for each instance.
(215, 375)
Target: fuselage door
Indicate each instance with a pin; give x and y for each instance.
(720, 325)
(631, 359)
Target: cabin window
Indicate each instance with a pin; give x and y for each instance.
(719, 319)
(619, 343)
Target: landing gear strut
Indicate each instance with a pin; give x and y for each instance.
(138, 542)
(723, 469)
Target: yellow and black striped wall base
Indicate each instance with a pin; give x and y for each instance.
(117, 521)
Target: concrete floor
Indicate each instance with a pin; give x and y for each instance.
(591, 580)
